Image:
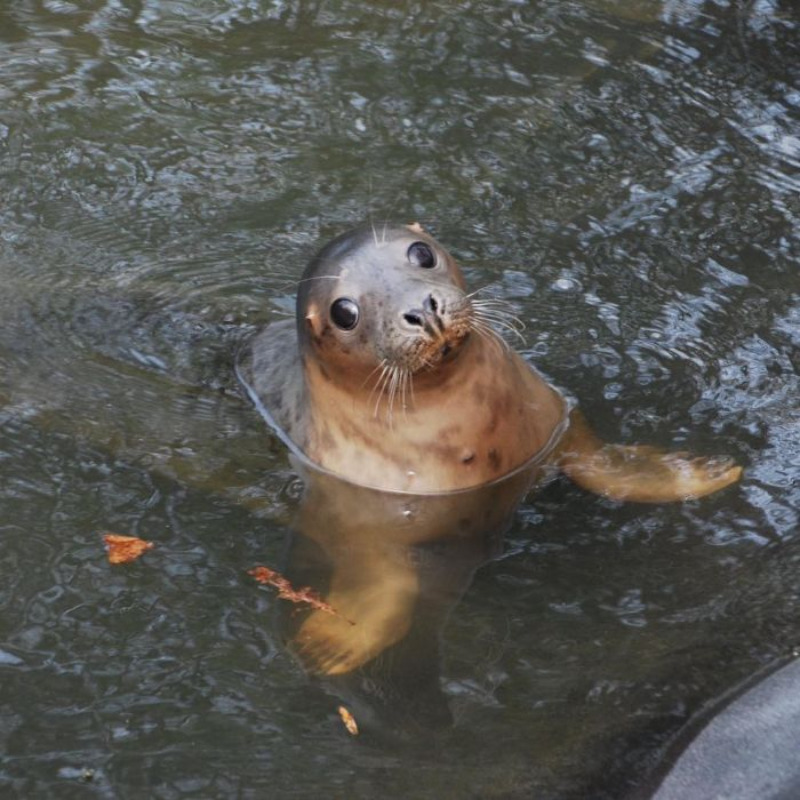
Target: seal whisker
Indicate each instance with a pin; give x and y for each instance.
(488, 287)
(385, 390)
(491, 331)
(485, 332)
(397, 375)
(380, 386)
(505, 320)
(369, 211)
(492, 302)
(388, 394)
(398, 387)
(499, 310)
(380, 366)
(383, 367)
(498, 303)
(405, 386)
(473, 295)
(388, 216)
(490, 335)
(391, 380)
(410, 382)
(491, 321)
(426, 363)
(393, 393)
(498, 320)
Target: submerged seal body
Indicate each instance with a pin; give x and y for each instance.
(392, 377)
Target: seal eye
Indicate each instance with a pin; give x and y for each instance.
(344, 313)
(420, 254)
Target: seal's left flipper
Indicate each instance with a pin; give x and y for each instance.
(639, 473)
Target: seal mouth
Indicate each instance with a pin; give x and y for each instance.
(442, 349)
(395, 374)
(449, 349)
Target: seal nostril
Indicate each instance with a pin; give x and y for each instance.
(431, 304)
(413, 319)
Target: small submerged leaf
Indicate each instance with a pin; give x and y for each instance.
(124, 549)
(305, 594)
(349, 721)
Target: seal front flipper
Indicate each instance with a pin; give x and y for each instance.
(374, 603)
(638, 473)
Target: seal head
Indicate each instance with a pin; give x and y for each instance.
(391, 304)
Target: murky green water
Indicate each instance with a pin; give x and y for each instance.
(624, 174)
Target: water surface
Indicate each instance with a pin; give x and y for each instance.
(624, 175)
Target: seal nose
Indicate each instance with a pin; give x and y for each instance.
(431, 304)
(427, 317)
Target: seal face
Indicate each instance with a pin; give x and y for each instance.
(395, 379)
(393, 303)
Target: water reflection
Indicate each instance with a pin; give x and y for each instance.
(393, 565)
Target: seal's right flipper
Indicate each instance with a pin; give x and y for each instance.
(374, 602)
(638, 473)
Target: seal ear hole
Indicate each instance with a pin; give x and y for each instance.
(344, 313)
(421, 255)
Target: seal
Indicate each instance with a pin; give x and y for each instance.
(393, 377)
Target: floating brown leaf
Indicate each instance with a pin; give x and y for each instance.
(305, 594)
(349, 721)
(123, 549)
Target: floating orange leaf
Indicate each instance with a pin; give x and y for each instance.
(123, 549)
(305, 594)
(349, 721)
